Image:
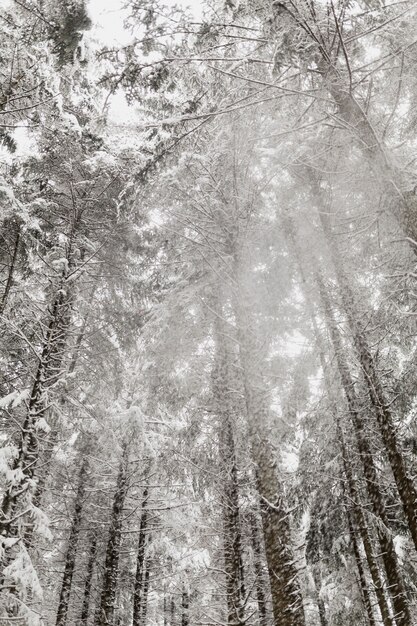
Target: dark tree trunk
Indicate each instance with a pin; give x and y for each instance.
(10, 275)
(61, 618)
(172, 613)
(140, 562)
(259, 573)
(185, 617)
(320, 604)
(48, 371)
(405, 485)
(42, 478)
(363, 584)
(394, 577)
(145, 592)
(105, 615)
(165, 610)
(396, 585)
(365, 535)
(222, 385)
(85, 609)
(286, 596)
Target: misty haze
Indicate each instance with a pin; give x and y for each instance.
(208, 313)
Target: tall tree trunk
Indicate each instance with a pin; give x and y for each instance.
(365, 535)
(363, 584)
(259, 575)
(12, 267)
(48, 372)
(165, 609)
(17, 500)
(145, 592)
(285, 589)
(85, 608)
(400, 200)
(140, 561)
(405, 485)
(185, 616)
(172, 613)
(106, 610)
(42, 478)
(61, 618)
(396, 585)
(394, 577)
(222, 385)
(46, 458)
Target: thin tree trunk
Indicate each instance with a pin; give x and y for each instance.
(53, 435)
(365, 535)
(405, 485)
(40, 485)
(394, 577)
(85, 609)
(259, 575)
(363, 585)
(399, 200)
(285, 589)
(222, 384)
(10, 275)
(106, 611)
(185, 616)
(396, 585)
(144, 603)
(61, 618)
(140, 561)
(47, 373)
(165, 609)
(320, 604)
(172, 612)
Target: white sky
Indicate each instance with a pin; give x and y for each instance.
(108, 17)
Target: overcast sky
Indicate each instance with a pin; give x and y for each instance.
(108, 16)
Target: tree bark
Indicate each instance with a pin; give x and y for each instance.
(402, 202)
(85, 609)
(363, 585)
(185, 617)
(106, 611)
(61, 618)
(259, 575)
(285, 589)
(140, 561)
(222, 385)
(394, 577)
(365, 535)
(48, 371)
(405, 485)
(10, 275)
(145, 592)
(172, 613)
(165, 609)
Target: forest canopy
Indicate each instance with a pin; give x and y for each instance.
(208, 355)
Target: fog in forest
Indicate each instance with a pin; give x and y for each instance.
(208, 309)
